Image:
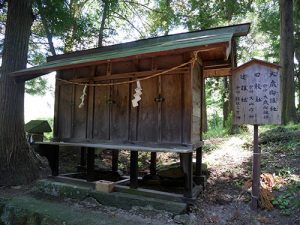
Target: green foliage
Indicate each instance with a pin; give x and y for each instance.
(215, 122)
(269, 25)
(228, 123)
(163, 17)
(37, 86)
(285, 172)
(215, 132)
(209, 148)
(289, 200)
(144, 157)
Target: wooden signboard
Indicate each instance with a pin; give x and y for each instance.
(256, 100)
(256, 93)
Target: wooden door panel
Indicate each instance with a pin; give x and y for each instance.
(101, 113)
(171, 111)
(119, 125)
(64, 123)
(148, 112)
(80, 114)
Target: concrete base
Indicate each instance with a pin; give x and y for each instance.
(116, 199)
(33, 211)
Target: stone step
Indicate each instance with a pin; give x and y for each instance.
(115, 199)
(29, 210)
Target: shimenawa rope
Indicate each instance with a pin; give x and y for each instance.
(192, 61)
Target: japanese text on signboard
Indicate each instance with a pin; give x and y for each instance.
(256, 95)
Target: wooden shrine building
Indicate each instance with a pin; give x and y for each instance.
(103, 81)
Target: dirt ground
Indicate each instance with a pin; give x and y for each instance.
(225, 200)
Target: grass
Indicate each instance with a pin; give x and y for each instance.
(209, 148)
(289, 200)
(215, 132)
(289, 126)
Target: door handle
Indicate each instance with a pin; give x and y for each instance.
(159, 98)
(110, 101)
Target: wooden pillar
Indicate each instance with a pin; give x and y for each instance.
(198, 171)
(153, 163)
(90, 164)
(187, 167)
(54, 162)
(82, 164)
(133, 169)
(115, 159)
(199, 179)
(82, 156)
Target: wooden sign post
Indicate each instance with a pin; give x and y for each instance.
(256, 101)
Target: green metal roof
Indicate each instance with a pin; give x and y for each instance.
(141, 47)
(37, 126)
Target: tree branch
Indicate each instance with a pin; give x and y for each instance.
(130, 23)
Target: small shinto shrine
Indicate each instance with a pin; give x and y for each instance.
(144, 95)
(35, 130)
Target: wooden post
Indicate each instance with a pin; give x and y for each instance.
(115, 159)
(187, 168)
(82, 165)
(255, 170)
(83, 157)
(133, 169)
(55, 160)
(90, 164)
(198, 171)
(153, 163)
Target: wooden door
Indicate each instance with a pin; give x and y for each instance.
(102, 101)
(79, 123)
(171, 108)
(65, 105)
(147, 112)
(119, 121)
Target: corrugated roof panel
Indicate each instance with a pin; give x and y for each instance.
(140, 47)
(120, 53)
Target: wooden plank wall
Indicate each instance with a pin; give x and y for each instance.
(108, 114)
(196, 92)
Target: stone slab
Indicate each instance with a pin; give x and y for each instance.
(116, 199)
(27, 210)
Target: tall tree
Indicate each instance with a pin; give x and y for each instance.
(297, 44)
(287, 61)
(49, 34)
(163, 17)
(17, 162)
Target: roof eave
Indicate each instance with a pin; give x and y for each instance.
(24, 75)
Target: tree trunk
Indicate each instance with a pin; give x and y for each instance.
(234, 129)
(287, 61)
(102, 26)
(18, 164)
(169, 9)
(46, 27)
(298, 85)
(297, 44)
(75, 10)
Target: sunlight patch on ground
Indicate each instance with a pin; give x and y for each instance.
(229, 155)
